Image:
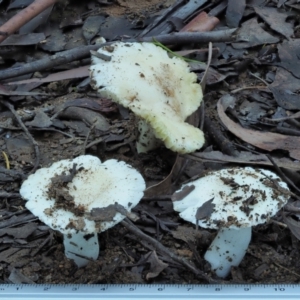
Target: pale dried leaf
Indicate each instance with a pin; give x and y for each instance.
(265, 140)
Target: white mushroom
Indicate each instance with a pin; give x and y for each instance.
(161, 91)
(82, 197)
(231, 200)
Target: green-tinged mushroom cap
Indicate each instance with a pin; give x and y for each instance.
(161, 91)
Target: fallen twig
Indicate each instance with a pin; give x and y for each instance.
(180, 38)
(92, 127)
(204, 78)
(258, 87)
(282, 175)
(25, 15)
(7, 164)
(84, 51)
(219, 138)
(161, 248)
(49, 62)
(35, 144)
(9, 195)
(47, 240)
(15, 222)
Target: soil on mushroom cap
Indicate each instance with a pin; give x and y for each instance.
(59, 191)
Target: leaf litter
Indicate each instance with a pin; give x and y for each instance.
(64, 117)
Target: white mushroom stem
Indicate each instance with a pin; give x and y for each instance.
(147, 141)
(228, 249)
(82, 248)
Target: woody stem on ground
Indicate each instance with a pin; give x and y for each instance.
(24, 16)
(30, 137)
(84, 51)
(160, 248)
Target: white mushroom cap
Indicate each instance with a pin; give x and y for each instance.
(97, 185)
(158, 89)
(242, 197)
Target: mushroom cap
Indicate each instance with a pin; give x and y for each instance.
(95, 185)
(240, 197)
(158, 89)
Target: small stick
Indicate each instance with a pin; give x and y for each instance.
(286, 269)
(87, 138)
(6, 160)
(180, 38)
(219, 138)
(100, 55)
(203, 81)
(161, 248)
(282, 175)
(60, 58)
(278, 223)
(9, 195)
(67, 56)
(263, 81)
(36, 250)
(202, 115)
(258, 87)
(24, 16)
(35, 144)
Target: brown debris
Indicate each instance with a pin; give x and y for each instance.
(23, 17)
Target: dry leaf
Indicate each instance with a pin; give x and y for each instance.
(264, 140)
(177, 196)
(69, 74)
(165, 187)
(244, 157)
(201, 23)
(293, 225)
(205, 210)
(234, 13)
(156, 266)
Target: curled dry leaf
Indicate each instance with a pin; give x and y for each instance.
(253, 35)
(156, 266)
(20, 232)
(234, 12)
(201, 23)
(23, 39)
(276, 19)
(264, 140)
(205, 210)
(244, 157)
(285, 88)
(41, 120)
(293, 225)
(165, 186)
(288, 53)
(177, 196)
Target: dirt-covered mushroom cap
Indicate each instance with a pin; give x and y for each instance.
(82, 197)
(95, 185)
(159, 90)
(240, 197)
(231, 200)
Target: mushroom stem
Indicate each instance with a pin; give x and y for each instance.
(228, 249)
(146, 139)
(82, 248)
